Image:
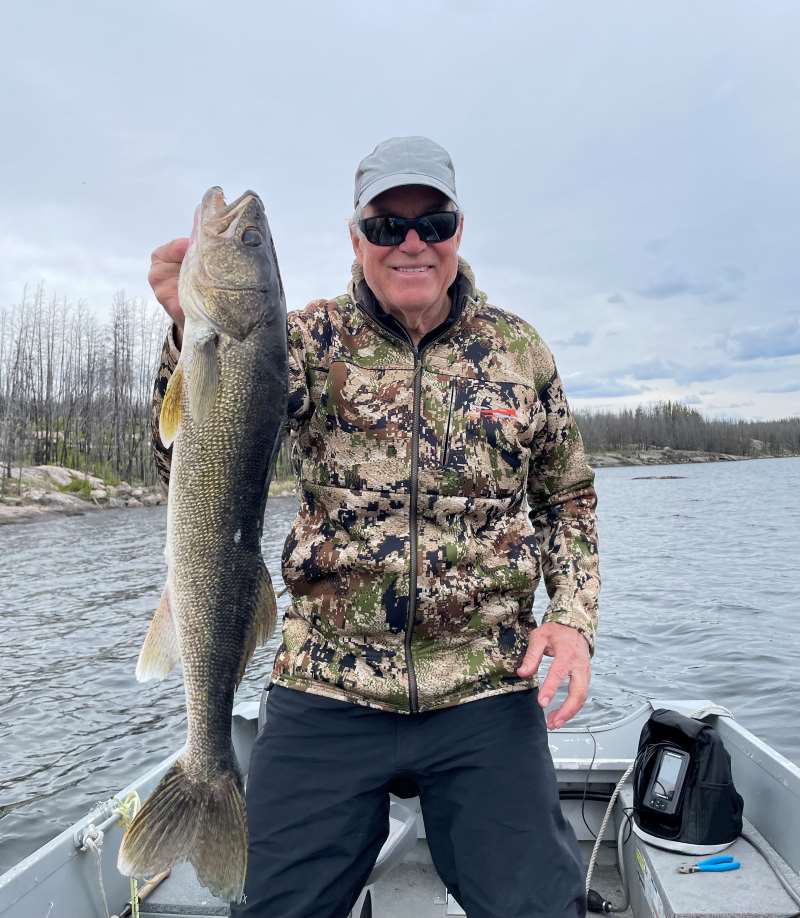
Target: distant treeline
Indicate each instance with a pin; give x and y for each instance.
(673, 425)
(76, 391)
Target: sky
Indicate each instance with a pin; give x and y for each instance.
(628, 171)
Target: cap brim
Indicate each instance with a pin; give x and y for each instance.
(403, 178)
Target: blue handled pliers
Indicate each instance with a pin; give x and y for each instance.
(716, 864)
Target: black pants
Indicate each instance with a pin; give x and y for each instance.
(318, 806)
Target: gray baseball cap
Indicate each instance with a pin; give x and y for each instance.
(404, 161)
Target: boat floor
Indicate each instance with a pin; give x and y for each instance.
(412, 889)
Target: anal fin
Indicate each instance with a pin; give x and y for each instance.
(160, 651)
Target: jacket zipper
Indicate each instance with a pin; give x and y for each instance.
(413, 695)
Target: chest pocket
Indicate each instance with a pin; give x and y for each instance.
(360, 434)
(373, 403)
(481, 440)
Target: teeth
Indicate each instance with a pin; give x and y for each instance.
(412, 270)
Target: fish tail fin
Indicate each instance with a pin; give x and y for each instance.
(160, 650)
(264, 615)
(202, 822)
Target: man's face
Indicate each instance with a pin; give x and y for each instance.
(409, 293)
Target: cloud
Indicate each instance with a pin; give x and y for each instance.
(724, 288)
(601, 388)
(658, 368)
(780, 339)
(786, 387)
(579, 339)
(672, 286)
(616, 298)
(701, 373)
(653, 368)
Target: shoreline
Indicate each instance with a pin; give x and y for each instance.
(656, 455)
(40, 492)
(52, 490)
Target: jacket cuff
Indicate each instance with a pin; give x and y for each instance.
(574, 618)
(174, 350)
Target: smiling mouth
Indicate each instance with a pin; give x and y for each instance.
(421, 269)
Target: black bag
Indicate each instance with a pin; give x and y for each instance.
(709, 813)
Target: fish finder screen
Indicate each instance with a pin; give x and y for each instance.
(668, 772)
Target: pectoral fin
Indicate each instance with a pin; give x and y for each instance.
(170, 417)
(264, 616)
(160, 651)
(203, 378)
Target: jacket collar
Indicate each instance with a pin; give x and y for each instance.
(463, 296)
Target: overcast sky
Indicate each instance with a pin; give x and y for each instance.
(628, 170)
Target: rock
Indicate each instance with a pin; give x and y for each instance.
(133, 502)
(116, 503)
(37, 495)
(98, 494)
(70, 503)
(151, 500)
(119, 490)
(124, 486)
(61, 476)
(137, 493)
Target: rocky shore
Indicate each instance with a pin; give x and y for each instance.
(34, 492)
(657, 456)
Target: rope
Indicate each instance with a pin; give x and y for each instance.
(93, 841)
(127, 810)
(601, 832)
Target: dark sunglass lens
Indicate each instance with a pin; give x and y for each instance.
(437, 227)
(393, 231)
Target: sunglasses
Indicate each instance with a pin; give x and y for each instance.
(393, 230)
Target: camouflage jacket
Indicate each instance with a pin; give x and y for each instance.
(437, 484)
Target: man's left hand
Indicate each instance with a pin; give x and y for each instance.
(570, 652)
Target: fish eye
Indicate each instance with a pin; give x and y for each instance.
(251, 236)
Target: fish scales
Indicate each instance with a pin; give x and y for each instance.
(223, 411)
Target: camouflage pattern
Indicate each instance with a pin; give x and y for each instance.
(504, 495)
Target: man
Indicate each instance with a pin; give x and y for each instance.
(423, 419)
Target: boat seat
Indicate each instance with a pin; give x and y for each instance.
(658, 889)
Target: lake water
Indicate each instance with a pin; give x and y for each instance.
(701, 599)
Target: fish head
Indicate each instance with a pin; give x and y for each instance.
(229, 277)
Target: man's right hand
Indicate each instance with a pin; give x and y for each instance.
(165, 266)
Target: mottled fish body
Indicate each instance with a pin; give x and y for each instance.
(223, 412)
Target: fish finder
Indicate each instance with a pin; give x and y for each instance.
(666, 782)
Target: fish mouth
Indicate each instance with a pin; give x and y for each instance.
(218, 218)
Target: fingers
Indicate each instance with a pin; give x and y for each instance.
(533, 656)
(172, 251)
(576, 697)
(165, 266)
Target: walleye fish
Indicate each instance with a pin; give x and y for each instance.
(223, 412)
